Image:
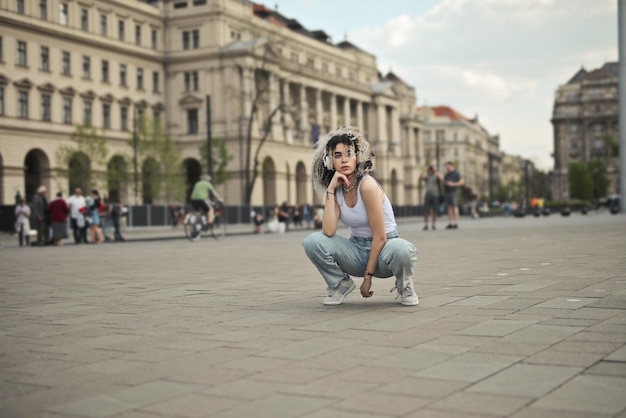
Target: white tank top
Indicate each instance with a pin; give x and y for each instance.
(356, 218)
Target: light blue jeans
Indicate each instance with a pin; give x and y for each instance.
(337, 256)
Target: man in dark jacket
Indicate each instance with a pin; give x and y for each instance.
(39, 213)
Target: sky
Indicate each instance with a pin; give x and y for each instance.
(499, 59)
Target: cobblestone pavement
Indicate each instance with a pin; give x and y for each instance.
(517, 318)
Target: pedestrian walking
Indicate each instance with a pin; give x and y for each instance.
(77, 204)
(117, 211)
(58, 211)
(452, 181)
(342, 165)
(39, 215)
(22, 222)
(93, 217)
(432, 179)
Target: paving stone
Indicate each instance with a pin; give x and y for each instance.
(278, 406)
(524, 380)
(541, 334)
(193, 405)
(496, 328)
(564, 358)
(382, 403)
(617, 355)
(468, 367)
(307, 349)
(608, 368)
(477, 403)
(420, 357)
(586, 393)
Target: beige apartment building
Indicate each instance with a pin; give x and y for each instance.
(585, 120)
(450, 136)
(66, 62)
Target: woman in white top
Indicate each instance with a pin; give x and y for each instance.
(341, 172)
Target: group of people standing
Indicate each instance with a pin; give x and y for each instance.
(442, 190)
(87, 217)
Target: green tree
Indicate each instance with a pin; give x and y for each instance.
(600, 181)
(580, 181)
(166, 181)
(80, 161)
(220, 157)
(612, 146)
(540, 184)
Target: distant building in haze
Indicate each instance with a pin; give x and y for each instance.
(585, 123)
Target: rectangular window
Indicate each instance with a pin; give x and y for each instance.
(86, 67)
(106, 116)
(180, 5)
(21, 53)
(103, 25)
(154, 38)
(574, 145)
(87, 112)
(199, 2)
(84, 20)
(105, 71)
(43, 9)
(196, 39)
(123, 74)
(120, 30)
(66, 63)
(63, 14)
(67, 110)
(124, 118)
(191, 81)
(155, 81)
(45, 58)
(138, 34)
(1, 101)
(45, 107)
(20, 6)
(140, 78)
(186, 39)
(192, 121)
(23, 104)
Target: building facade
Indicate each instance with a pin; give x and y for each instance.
(450, 136)
(585, 123)
(269, 86)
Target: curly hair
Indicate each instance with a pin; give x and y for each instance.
(348, 135)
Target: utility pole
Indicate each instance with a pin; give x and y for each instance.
(208, 137)
(621, 41)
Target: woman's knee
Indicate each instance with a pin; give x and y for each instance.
(312, 242)
(401, 250)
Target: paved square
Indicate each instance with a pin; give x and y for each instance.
(517, 317)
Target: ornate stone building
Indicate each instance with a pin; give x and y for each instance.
(65, 62)
(585, 122)
(450, 136)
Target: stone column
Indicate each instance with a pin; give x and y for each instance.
(304, 115)
(246, 87)
(396, 136)
(274, 101)
(346, 110)
(382, 128)
(333, 111)
(359, 115)
(288, 120)
(319, 108)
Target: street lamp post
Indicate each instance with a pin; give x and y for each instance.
(136, 180)
(208, 137)
(621, 41)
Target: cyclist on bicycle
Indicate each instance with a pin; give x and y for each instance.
(201, 198)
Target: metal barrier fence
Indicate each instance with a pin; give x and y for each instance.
(163, 215)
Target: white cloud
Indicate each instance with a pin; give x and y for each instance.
(502, 59)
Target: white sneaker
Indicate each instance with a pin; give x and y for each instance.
(408, 297)
(335, 296)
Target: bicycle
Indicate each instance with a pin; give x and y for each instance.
(194, 226)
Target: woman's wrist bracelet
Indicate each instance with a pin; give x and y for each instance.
(330, 192)
(368, 274)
